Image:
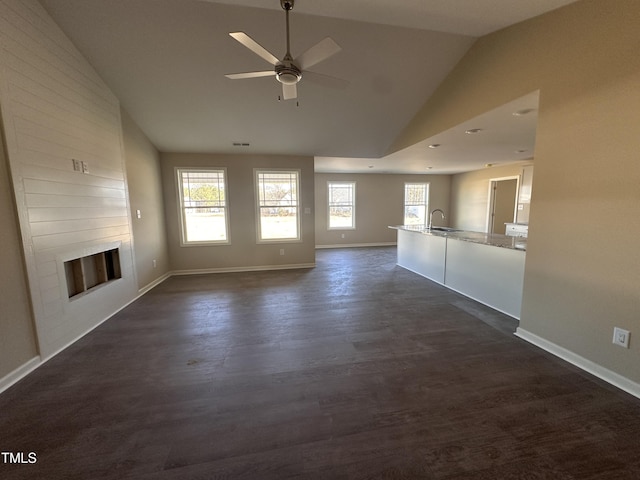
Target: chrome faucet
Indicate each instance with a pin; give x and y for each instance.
(431, 216)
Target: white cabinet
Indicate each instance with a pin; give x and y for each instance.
(524, 194)
(491, 275)
(517, 230)
(423, 254)
(526, 184)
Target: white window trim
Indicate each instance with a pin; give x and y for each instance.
(428, 200)
(181, 216)
(256, 173)
(353, 204)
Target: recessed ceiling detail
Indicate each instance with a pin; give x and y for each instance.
(505, 139)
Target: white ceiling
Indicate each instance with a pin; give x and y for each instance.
(166, 60)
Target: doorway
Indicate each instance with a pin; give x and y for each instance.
(502, 203)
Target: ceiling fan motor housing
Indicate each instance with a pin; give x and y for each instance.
(287, 4)
(288, 74)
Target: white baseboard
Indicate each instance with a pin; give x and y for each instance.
(593, 368)
(258, 268)
(155, 283)
(357, 245)
(19, 373)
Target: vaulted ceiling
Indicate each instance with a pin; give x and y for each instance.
(166, 60)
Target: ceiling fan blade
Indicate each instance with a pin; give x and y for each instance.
(236, 76)
(255, 47)
(289, 92)
(316, 54)
(326, 80)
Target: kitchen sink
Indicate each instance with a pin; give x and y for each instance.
(444, 229)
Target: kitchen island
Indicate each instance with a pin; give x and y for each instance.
(486, 267)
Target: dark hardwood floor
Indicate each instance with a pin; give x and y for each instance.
(357, 369)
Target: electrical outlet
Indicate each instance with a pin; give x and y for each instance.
(155, 264)
(76, 165)
(282, 251)
(342, 235)
(85, 167)
(621, 337)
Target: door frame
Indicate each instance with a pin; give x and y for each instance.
(491, 199)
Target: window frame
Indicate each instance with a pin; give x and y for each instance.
(181, 207)
(352, 183)
(405, 204)
(278, 171)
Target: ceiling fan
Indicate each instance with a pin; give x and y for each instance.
(288, 71)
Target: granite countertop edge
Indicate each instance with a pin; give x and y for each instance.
(492, 239)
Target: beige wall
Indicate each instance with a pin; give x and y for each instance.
(583, 261)
(17, 335)
(145, 194)
(379, 203)
(470, 195)
(244, 252)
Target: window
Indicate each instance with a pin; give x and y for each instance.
(416, 203)
(278, 205)
(342, 205)
(203, 206)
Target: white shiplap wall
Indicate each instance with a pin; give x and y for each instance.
(55, 108)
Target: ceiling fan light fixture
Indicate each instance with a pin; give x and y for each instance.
(288, 78)
(287, 71)
(288, 74)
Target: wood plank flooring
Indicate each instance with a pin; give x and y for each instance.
(357, 369)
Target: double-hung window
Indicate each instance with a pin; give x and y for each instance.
(203, 205)
(416, 203)
(342, 205)
(278, 198)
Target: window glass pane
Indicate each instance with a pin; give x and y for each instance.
(204, 205)
(340, 217)
(202, 225)
(414, 215)
(341, 199)
(278, 205)
(278, 223)
(416, 203)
